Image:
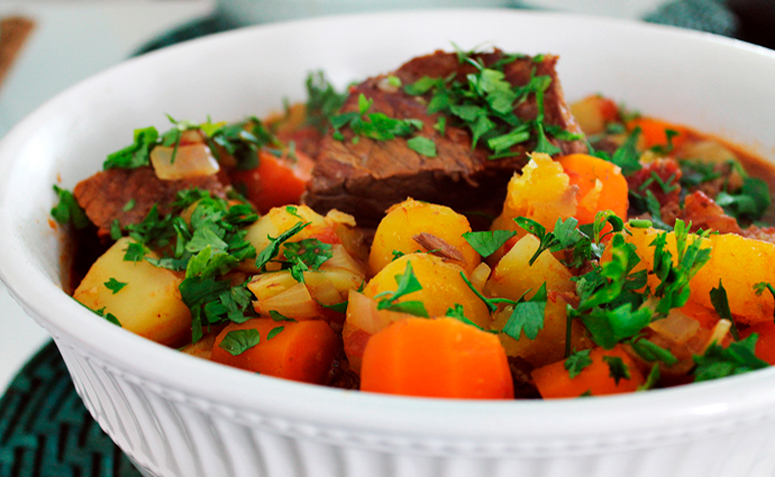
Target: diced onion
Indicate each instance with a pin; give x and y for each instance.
(332, 286)
(341, 259)
(480, 275)
(362, 314)
(295, 302)
(676, 327)
(267, 285)
(194, 160)
(719, 332)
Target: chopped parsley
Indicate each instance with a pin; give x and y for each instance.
(484, 104)
(114, 285)
(306, 254)
(274, 332)
(323, 102)
(576, 362)
(271, 250)
(616, 368)
(381, 127)
(237, 342)
(108, 316)
(749, 203)
(527, 316)
(67, 211)
(407, 284)
(136, 154)
(737, 358)
(720, 302)
(487, 243)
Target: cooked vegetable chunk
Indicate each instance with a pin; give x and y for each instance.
(300, 351)
(436, 358)
(542, 192)
(601, 186)
(413, 226)
(147, 304)
(590, 373)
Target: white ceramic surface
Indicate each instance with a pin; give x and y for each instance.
(177, 416)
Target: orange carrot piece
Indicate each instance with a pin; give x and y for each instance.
(654, 132)
(554, 381)
(436, 358)
(302, 351)
(706, 317)
(601, 186)
(276, 181)
(765, 343)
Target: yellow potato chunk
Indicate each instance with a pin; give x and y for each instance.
(442, 286)
(739, 262)
(549, 345)
(514, 275)
(148, 305)
(413, 226)
(542, 193)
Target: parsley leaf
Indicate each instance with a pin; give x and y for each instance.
(750, 203)
(237, 342)
(306, 254)
(271, 250)
(576, 362)
(616, 368)
(136, 154)
(457, 312)
(737, 358)
(407, 283)
(108, 316)
(609, 327)
(720, 302)
(114, 285)
(422, 145)
(527, 316)
(652, 352)
(627, 156)
(274, 332)
(487, 243)
(323, 101)
(67, 211)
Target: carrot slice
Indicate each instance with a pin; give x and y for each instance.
(301, 351)
(596, 378)
(436, 358)
(654, 132)
(601, 186)
(276, 181)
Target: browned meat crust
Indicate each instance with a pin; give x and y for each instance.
(366, 178)
(104, 195)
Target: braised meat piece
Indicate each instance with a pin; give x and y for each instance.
(105, 195)
(366, 176)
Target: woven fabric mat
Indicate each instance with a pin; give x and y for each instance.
(44, 428)
(46, 431)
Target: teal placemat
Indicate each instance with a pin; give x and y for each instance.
(46, 431)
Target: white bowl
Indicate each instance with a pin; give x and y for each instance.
(178, 416)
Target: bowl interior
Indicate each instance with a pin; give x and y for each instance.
(713, 84)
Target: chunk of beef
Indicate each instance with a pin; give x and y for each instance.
(366, 177)
(104, 195)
